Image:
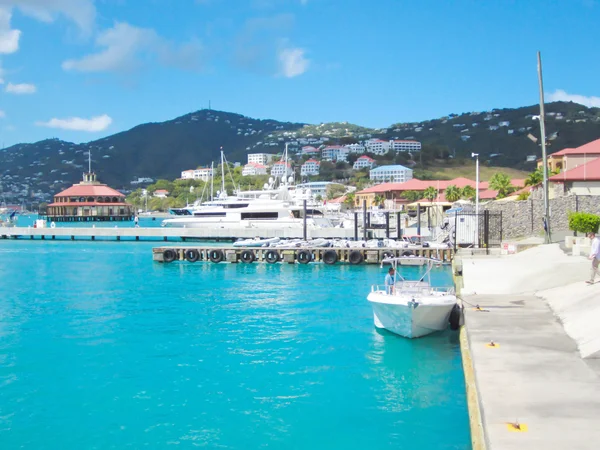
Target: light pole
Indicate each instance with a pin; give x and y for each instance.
(476, 156)
(548, 238)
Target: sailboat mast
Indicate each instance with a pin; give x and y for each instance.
(222, 172)
(285, 163)
(212, 179)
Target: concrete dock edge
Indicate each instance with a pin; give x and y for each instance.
(478, 441)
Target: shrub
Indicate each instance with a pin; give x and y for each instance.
(584, 222)
(523, 196)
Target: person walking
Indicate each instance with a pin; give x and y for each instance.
(594, 256)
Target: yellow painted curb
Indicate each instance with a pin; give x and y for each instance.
(477, 431)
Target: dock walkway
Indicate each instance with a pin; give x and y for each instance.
(165, 234)
(534, 388)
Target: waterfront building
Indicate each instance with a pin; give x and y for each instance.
(310, 167)
(203, 173)
(89, 200)
(397, 173)
(261, 158)
(570, 158)
(254, 169)
(363, 162)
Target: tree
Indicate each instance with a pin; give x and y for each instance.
(501, 182)
(452, 193)
(319, 198)
(535, 177)
(468, 193)
(378, 200)
(430, 193)
(411, 196)
(349, 200)
(334, 191)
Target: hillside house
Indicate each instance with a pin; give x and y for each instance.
(254, 169)
(310, 168)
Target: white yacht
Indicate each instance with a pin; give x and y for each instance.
(413, 308)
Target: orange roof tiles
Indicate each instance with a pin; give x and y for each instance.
(89, 190)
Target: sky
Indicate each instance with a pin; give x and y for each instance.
(80, 70)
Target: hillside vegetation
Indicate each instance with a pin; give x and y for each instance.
(32, 172)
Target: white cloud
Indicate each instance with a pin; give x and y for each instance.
(292, 62)
(82, 12)
(95, 124)
(23, 88)
(562, 96)
(2, 114)
(9, 39)
(127, 47)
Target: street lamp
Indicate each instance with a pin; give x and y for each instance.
(476, 156)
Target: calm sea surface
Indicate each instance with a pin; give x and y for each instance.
(102, 348)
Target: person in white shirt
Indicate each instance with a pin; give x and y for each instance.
(594, 256)
(389, 281)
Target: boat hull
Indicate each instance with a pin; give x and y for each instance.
(411, 319)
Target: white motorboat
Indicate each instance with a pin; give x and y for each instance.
(413, 308)
(256, 242)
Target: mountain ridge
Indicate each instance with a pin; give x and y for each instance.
(164, 149)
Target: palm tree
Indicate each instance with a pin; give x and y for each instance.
(501, 182)
(534, 178)
(452, 193)
(349, 200)
(430, 193)
(468, 192)
(378, 200)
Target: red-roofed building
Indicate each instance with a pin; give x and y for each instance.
(570, 158)
(89, 200)
(363, 162)
(581, 180)
(393, 191)
(253, 168)
(310, 167)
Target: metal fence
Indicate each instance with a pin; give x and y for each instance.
(483, 230)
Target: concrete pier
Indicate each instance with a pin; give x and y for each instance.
(302, 255)
(533, 345)
(160, 233)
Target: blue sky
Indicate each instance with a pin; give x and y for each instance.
(83, 69)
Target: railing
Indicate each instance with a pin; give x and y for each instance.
(402, 287)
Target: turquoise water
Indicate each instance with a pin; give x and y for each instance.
(101, 348)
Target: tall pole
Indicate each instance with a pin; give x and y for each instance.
(212, 178)
(477, 185)
(89, 161)
(544, 158)
(222, 174)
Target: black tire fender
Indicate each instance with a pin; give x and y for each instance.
(355, 257)
(247, 256)
(271, 256)
(216, 256)
(330, 257)
(304, 256)
(192, 255)
(169, 255)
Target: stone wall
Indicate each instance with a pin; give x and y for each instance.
(524, 218)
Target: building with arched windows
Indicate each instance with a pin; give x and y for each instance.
(89, 201)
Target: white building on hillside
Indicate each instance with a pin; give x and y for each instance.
(396, 173)
(203, 174)
(310, 167)
(254, 169)
(279, 169)
(260, 158)
(363, 162)
(355, 148)
(310, 150)
(377, 146)
(403, 145)
(334, 153)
